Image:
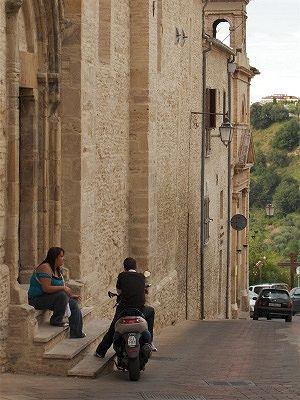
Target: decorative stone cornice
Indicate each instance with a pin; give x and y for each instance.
(13, 6)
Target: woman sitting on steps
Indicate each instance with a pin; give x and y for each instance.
(47, 291)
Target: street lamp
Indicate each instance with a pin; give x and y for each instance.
(259, 265)
(270, 210)
(226, 131)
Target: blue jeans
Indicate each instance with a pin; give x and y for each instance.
(57, 302)
(108, 338)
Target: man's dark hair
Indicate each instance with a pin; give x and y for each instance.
(129, 263)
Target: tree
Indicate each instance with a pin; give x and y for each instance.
(288, 136)
(263, 187)
(287, 196)
(278, 158)
(264, 115)
(294, 109)
(260, 163)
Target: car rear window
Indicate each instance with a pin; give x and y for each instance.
(258, 289)
(297, 292)
(272, 294)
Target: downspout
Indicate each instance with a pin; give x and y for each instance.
(202, 176)
(228, 266)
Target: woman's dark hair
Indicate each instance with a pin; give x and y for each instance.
(129, 263)
(52, 255)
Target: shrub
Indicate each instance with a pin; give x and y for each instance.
(264, 115)
(287, 196)
(278, 158)
(288, 137)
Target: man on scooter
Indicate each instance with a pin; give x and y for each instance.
(131, 290)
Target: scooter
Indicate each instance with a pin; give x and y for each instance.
(131, 341)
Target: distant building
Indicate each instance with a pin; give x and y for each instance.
(279, 97)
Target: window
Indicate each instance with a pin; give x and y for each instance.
(206, 220)
(221, 204)
(159, 33)
(210, 105)
(221, 31)
(224, 103)
(104, 30)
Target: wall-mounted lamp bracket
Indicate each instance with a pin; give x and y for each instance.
(225, 129)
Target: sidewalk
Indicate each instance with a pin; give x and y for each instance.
(197, 360)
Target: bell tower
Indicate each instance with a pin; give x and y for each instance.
(231, 11)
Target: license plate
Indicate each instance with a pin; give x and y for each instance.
(131, 341)
(274, 305)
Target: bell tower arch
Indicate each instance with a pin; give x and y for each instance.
(233, 12)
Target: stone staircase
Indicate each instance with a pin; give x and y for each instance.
(34, 346)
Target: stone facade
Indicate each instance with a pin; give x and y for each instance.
(105, 150)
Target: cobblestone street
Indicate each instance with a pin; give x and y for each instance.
(202, 360)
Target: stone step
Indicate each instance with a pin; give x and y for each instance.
(46, 332)
(69, 348)
(91, 366)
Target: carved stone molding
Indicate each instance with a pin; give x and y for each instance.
(13, 6)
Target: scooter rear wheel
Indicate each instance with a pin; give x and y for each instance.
(134, 368)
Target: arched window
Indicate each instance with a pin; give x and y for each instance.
(221, 31)
(244, 109)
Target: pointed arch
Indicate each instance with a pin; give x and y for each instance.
(33, 79)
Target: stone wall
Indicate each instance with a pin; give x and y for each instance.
(99, 168)
(4, 273)
(175, 148)
(215, 183)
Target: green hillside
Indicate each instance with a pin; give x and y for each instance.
(275, 179)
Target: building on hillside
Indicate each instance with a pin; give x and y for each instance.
(109, 123)
(279, 98)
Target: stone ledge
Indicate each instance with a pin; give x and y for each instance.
(45, 332)
(69, 348)
(91, 366)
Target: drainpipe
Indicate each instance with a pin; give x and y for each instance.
(202, 176)
(228, 266)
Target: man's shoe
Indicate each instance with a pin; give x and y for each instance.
(99, 355)
(78, 337)
(153, 348)
(61, 324)
(147, 351)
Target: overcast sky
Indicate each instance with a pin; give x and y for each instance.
(273, 46)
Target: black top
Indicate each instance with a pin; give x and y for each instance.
(132, 285)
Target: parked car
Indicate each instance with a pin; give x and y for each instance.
(257, 288)
(273, 303)
(280, 285)
(295, 296)
(252, 299)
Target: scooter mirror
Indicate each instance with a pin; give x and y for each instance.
(147, 274)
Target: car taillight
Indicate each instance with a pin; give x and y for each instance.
(290, 305)
(130, 320)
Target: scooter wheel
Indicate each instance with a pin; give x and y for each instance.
(134, 368)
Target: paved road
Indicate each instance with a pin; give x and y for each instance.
(197, 360)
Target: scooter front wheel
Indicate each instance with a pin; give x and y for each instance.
(134, 368)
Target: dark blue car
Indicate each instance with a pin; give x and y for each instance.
(273, 303)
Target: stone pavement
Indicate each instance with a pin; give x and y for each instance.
(197, 360)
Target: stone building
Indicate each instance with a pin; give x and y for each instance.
(109, 112)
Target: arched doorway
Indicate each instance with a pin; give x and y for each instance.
(33, 70)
